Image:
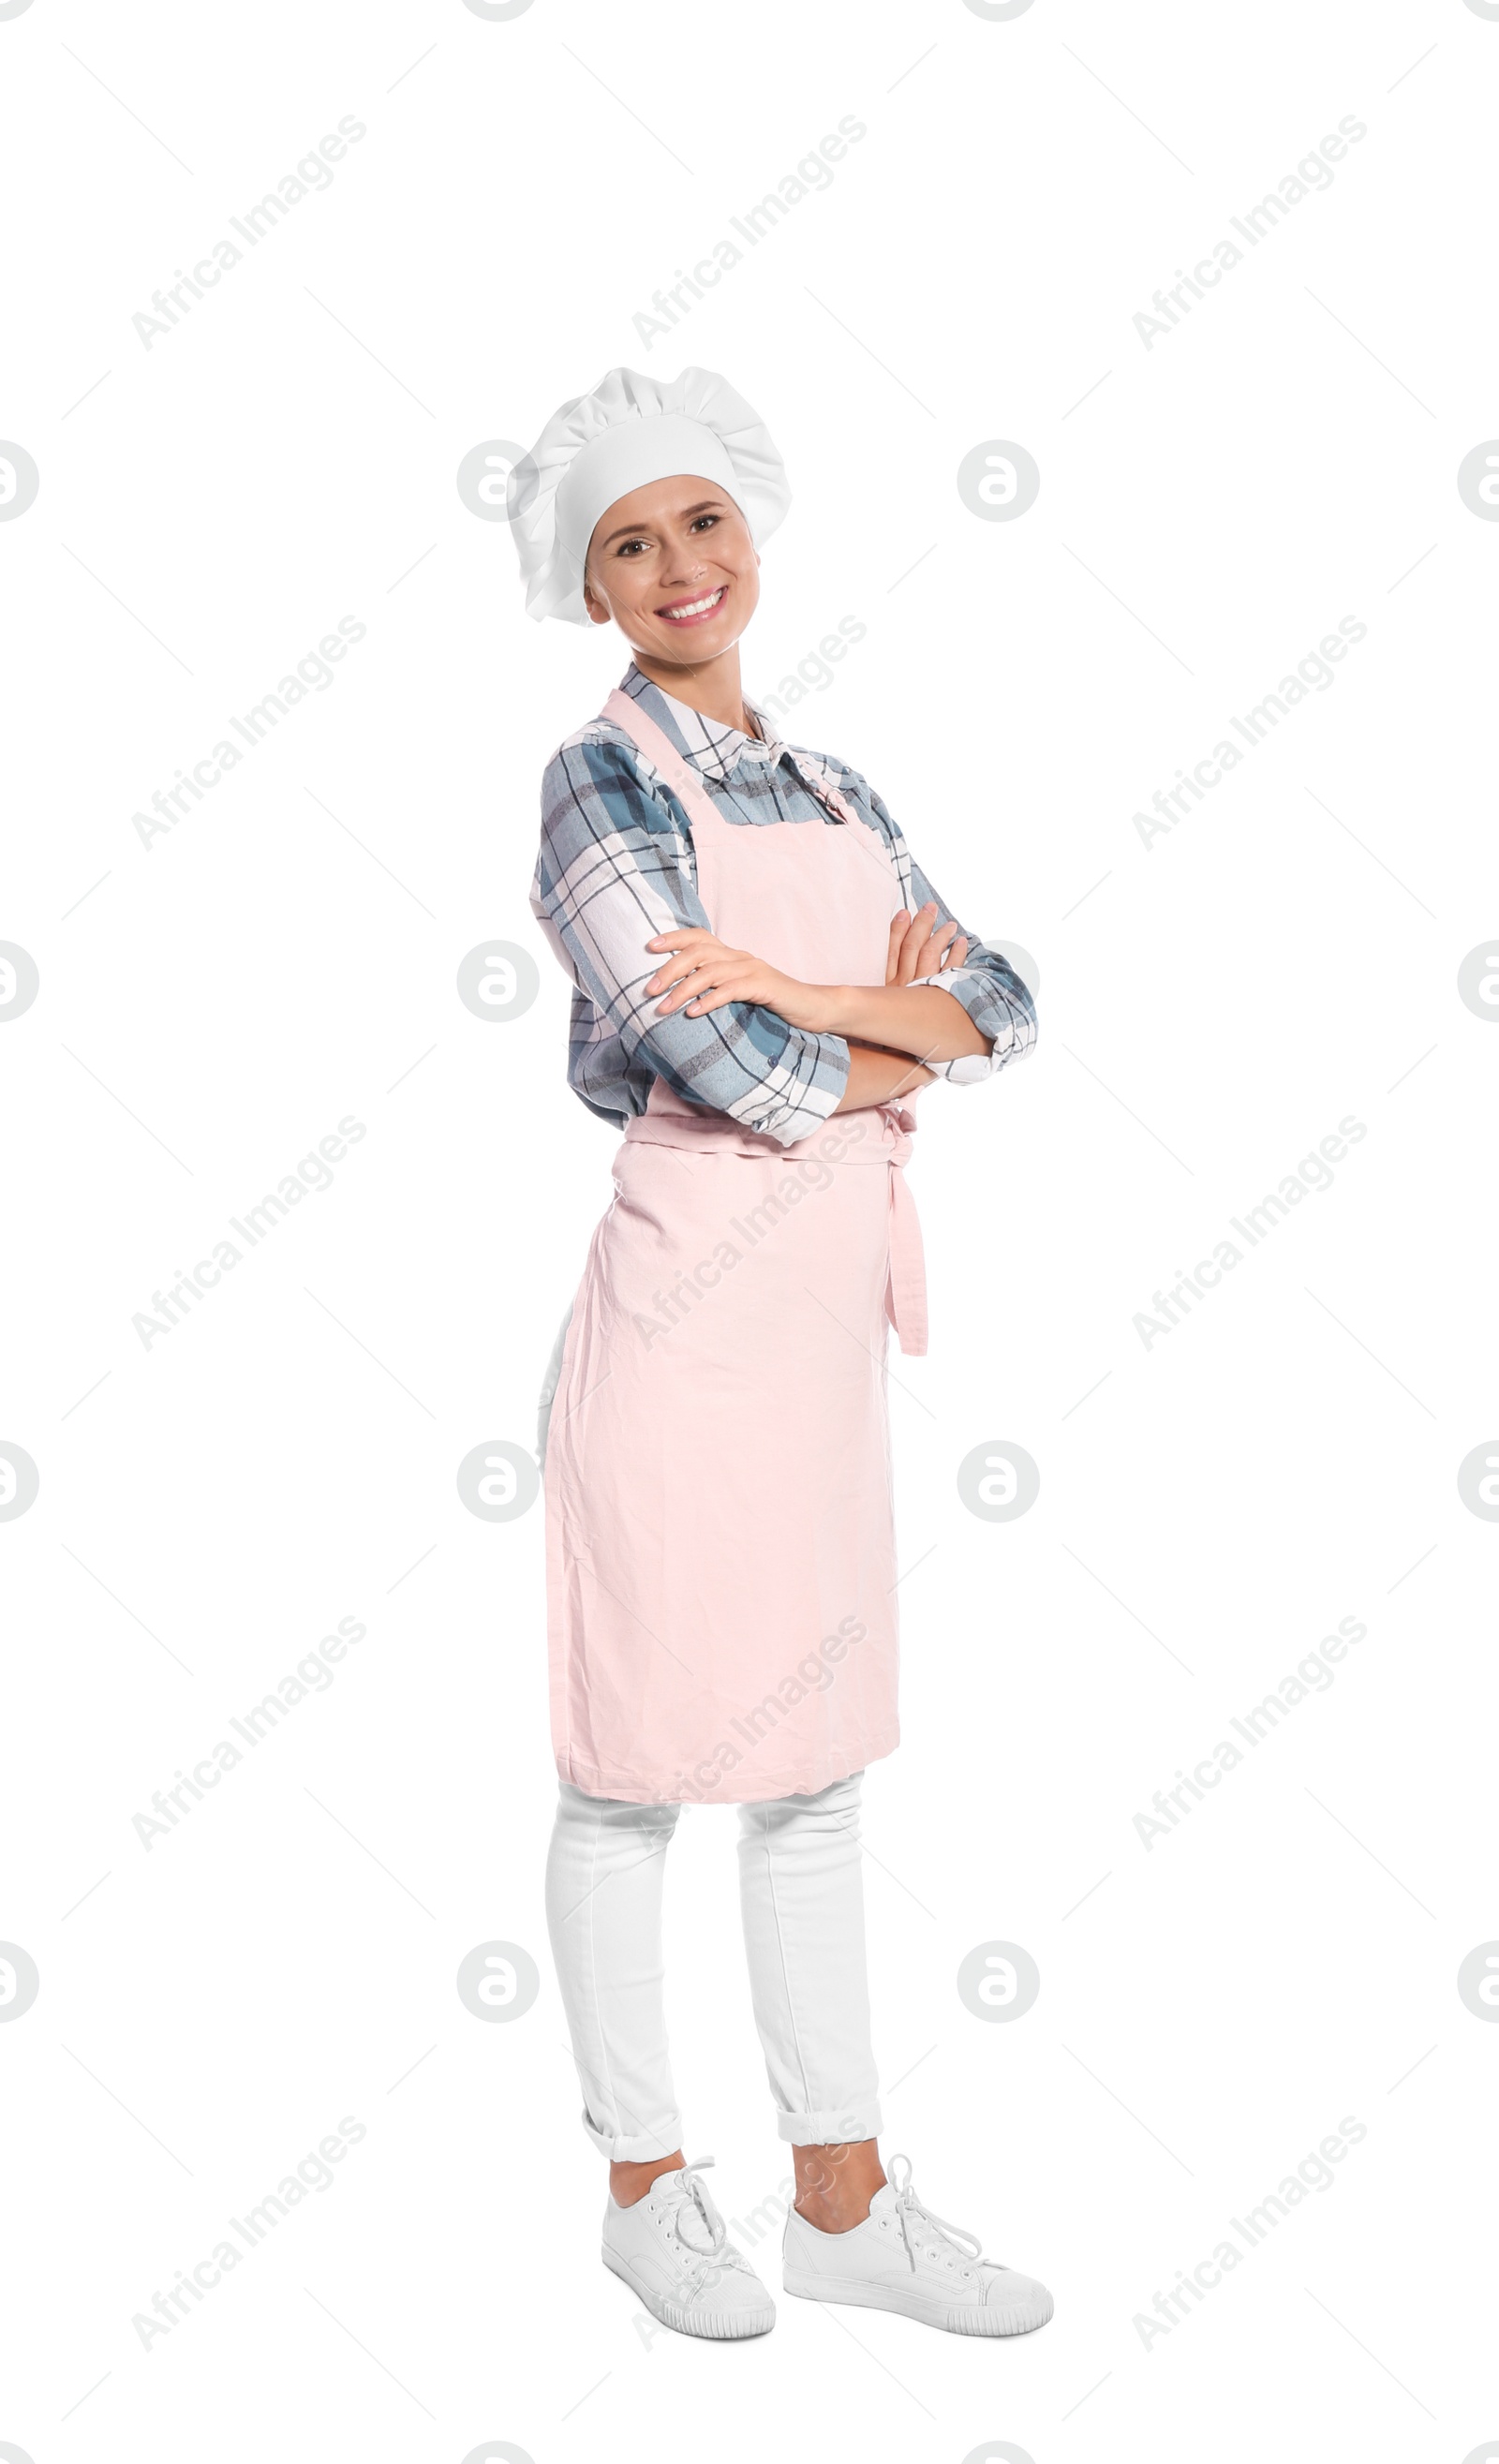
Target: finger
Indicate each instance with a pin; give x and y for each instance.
(917, 930)
(681, 938)
(686, 989)
(726, 984)
(700, 949)
(711, 983)
(689, 943)
(938, 953)
(907, 947)
(666, 976)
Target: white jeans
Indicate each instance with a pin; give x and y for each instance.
(801, 1899)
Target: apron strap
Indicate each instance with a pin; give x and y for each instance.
(662, 754)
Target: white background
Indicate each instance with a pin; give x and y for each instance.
(1211, 1007)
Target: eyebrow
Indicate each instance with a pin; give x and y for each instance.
(632, 530)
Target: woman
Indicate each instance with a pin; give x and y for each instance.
(761, 982)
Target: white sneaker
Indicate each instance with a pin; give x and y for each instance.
(903, 2258)
(672, 2248)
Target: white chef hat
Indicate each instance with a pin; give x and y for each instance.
(630, 430)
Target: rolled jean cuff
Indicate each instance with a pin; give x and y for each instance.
(641, 2146)
(838, 2126)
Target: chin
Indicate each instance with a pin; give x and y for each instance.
(689, 650)
(704, 644)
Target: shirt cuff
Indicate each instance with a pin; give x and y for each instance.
(1010, 1033)
(800, 1093)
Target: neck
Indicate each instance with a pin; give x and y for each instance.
(713, 688)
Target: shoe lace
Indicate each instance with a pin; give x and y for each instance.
(712, 2257)
(910, 2210)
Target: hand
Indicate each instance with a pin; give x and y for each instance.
(920, 946)
(703, 973)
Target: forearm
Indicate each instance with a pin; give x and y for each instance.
(908, 1013)
(919, 1018)
(877, 1075)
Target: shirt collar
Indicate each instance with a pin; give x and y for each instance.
(713, 750)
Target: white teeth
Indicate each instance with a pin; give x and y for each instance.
(694, 608)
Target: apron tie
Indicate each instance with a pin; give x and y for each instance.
(905, 1285)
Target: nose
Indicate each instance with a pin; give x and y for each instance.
(685, 565)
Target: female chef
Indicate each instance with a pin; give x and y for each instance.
(761, 982)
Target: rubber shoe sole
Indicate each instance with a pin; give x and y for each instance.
(965, 2320)
(718, 2325)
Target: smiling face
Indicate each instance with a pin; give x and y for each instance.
(673, 566)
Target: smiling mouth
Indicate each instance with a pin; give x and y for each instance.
(691, 611)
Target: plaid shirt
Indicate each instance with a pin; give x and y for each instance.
(617, 867)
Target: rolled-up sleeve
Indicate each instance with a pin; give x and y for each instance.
(615, 870)
(996, 1000)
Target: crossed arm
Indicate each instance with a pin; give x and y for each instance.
(892, 1029)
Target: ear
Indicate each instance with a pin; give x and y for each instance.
(599, 613)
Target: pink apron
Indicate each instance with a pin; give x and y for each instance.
(720, 1550)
